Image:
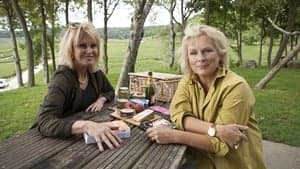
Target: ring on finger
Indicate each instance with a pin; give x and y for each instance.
(236, 146)
(98, 140)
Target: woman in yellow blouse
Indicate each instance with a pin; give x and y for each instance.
(213, 107)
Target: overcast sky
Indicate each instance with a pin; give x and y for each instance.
(120, 18)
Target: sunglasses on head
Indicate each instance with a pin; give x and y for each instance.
(74, 25)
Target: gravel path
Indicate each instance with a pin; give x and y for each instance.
(13, 82)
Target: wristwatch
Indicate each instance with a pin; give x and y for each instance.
(212, 131)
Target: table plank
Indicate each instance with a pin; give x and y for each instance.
(173, 161)
(125, 156)
(27, 152)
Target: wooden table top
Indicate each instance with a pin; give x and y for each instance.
(31, 150)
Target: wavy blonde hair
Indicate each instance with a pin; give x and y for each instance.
(72, 38)
(218, 38)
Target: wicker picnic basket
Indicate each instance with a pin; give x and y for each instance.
(165, 84)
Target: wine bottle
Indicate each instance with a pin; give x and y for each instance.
(149, 91)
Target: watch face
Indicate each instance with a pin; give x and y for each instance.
(211, 131)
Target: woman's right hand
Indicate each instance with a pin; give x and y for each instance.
(232, 134)
(103, 132)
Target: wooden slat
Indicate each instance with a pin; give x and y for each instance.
(137, 148)
(73, 157)
(125, 156)
(165, 155)
(169, 161)
(25, 151)
(157, 161)
(157, 157)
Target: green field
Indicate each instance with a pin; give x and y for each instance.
(277, 106)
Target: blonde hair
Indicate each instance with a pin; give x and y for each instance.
(72, 38)
(218, 38)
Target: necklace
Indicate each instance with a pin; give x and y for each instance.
(83, 80)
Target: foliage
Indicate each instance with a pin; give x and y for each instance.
(251, 36)
(277, 106)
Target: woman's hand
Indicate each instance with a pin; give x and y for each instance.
(97, 105)
(162, 134)
(232, 134)
(102, 132)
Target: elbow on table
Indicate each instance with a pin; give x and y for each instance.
(51, 131)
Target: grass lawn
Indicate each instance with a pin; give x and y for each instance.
(277, 106)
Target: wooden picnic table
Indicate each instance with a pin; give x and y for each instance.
(32, 150)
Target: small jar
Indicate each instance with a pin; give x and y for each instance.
(123, 93)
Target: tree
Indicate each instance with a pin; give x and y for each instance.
(172, 34)
(28, 42)
(44, 41)
(267, 78)
(142, 8)
(52, 8)
(187, 8)
(292, 12)
(263, 82)
(207, 12)
(67, 11)
(170, 6)
(109, 7)
(90, 10)
(9, 15)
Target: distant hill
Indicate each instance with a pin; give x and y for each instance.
(113, 33)
(123, 33)
(6, 33)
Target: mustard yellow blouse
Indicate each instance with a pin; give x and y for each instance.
(229, 100)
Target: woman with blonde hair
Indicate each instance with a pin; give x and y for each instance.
(213, 107)
(76, 86)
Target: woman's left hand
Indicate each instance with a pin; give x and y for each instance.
(97, 105)
(161, 134)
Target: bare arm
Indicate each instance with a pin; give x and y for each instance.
(232, 134)
(165, 135)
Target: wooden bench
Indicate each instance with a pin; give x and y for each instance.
(31, 150)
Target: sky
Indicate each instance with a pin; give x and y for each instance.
(120, 18)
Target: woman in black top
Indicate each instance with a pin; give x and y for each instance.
(78, 85)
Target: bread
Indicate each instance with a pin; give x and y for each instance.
(144, 115)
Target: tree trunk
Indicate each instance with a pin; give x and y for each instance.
(90, 10)
(142, 9)
(106, 6)
(67, 12)
(264, 81)
(262, 37)
(51, 38)
(238, 47)
(237, 33)
(44, 42)
(28, 43)
(7, 8)
(270, 45)
(240, 36)
(207, 21)
(172, 36)
(292, 12)
(225, 15)
(297, 36)
(105, 56)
